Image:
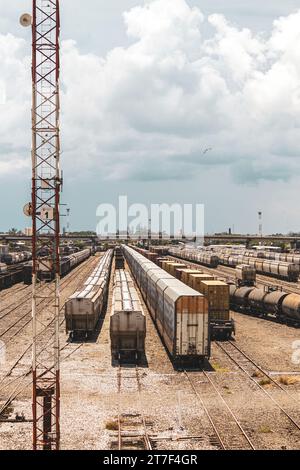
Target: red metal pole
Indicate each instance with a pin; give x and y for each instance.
(46, 186)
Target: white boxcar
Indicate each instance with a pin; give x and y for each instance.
(180, 313)
(152, 294)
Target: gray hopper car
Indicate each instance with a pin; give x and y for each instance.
(127, 319)
(83, 309)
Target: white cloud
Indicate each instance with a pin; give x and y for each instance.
(13, 165)
(148, 110)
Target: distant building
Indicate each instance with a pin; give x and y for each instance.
(28, 231)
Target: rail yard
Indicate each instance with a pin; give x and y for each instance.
(127, 384)
(148, 334)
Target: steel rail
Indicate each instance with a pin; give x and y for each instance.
(222, 445)
(146, 436)
(67, 281)
(263, 371)
(291, 419)
(233, 415)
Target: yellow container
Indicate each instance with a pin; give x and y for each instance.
(217, 295)
(196, 279)
(166, 265)
(174, 266)
(186, 274)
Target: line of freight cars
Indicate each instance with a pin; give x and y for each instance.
(206, 259)
(215, 291)
(200, 257)
(179, 312)
(83, 309)
(127, 319)
(280, 269)
(285, 307)
(67, 263)
(10, 275)
(286, 271)
(15, 258)
(285, 257)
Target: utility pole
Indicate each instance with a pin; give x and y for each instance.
(149, 234)
(260, 225)
(68, 220)
(45, 212)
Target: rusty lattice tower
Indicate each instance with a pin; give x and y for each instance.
(44, 209)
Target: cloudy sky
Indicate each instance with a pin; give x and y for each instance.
(146, 87)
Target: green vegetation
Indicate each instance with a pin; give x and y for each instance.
(264, 429)
(218, 368)
(264, 381)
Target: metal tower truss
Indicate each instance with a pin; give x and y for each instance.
(46, 186)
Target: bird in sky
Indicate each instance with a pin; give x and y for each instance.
(207, 150)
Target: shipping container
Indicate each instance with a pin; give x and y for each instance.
(186, 274)
(217, 294)
(194, 280)
(173, 266)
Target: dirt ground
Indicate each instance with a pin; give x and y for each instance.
(174, 404)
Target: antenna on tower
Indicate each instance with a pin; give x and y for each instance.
(26, 20)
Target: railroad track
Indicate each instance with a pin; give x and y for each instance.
(19, 383)
(255, 373)
(236, 437)
(21, 322)
(132, 427)
(12, 291)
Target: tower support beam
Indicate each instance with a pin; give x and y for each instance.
(46, 187)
